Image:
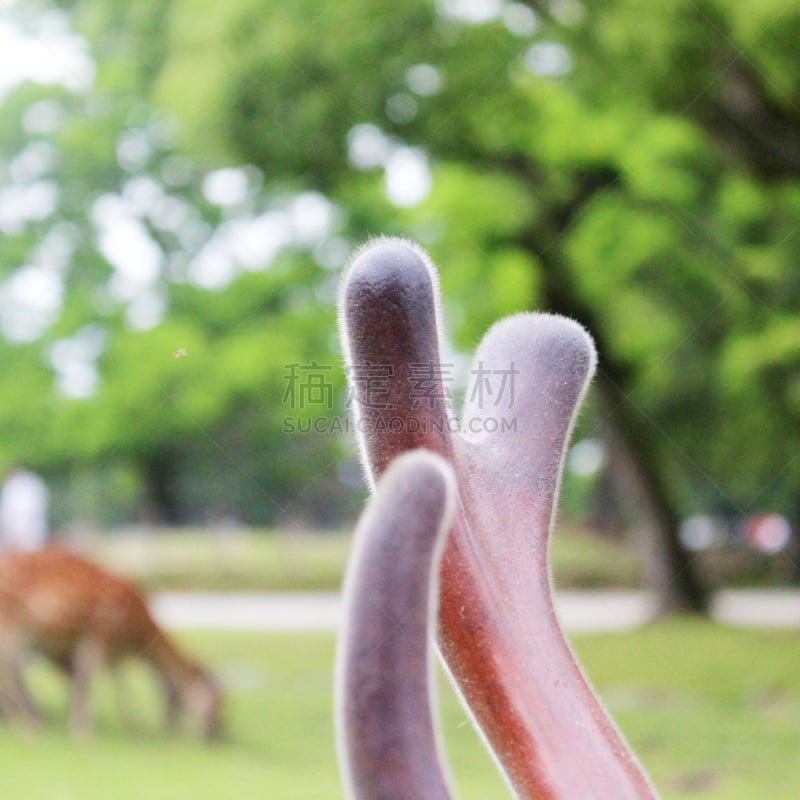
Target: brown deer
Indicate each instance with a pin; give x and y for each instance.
(80, 617)
(497, 629)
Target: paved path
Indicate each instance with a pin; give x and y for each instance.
(579, 611)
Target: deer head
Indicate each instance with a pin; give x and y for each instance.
(202, 700)
(497, 629)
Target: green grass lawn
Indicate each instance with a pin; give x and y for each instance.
(240, 561)
(308, 560)
(713, 713)
(295, 560)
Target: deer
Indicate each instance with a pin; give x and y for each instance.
(81, 617)
(455, 544)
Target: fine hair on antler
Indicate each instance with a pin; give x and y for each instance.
(497, 628)
(386, 732)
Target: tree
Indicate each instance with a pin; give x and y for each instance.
(150, 310)
(614, 146)
(633, 167)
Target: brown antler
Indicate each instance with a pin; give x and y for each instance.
(385, 729)
(498, 631)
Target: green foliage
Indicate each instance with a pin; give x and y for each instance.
(642, 157)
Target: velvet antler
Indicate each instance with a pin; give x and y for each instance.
(498, 631)
(385, 729)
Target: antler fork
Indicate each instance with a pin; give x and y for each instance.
(498, 631)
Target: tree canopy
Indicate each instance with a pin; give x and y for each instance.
(635, 166)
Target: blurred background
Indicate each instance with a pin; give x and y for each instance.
(182, 182)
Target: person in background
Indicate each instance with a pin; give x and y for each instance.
(23, 511)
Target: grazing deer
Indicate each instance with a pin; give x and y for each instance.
(497, 629)
(81, 617)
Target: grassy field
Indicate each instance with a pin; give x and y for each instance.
(290, 560)
(298, 561)
(239, 561)
(713, 712)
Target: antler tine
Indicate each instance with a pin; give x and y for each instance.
(385, 727)
(498, 631)
(535, 370)
(511, 660)
(388, 321)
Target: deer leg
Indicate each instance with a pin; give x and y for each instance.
(172, 708)
(89, 655)
(16, 703)
(24, 697)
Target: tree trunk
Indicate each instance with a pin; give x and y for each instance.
(668, 567)
(794, 543)
(159, 469)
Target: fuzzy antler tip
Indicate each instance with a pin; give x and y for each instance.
(386, 729)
